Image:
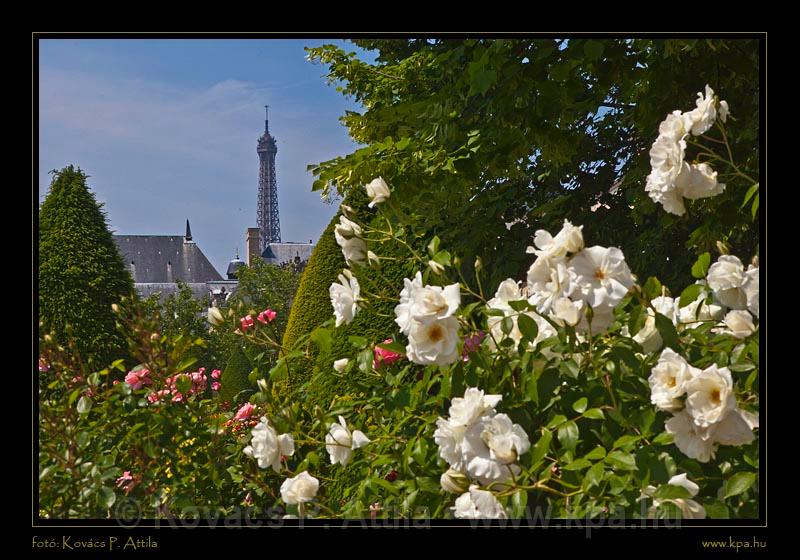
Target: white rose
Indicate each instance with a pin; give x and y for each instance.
(378, 191)
(668, 379)
(435, 342)
(341, 364)
(267, 446)
(348, 236)
(466, 410)
(602, 275)
(478, 504)
(750, 287)
(692, 440)
(300, 489)
(739, 323)
(673, 127)
(215, 316)
(725, 278)
(648, 337)
(690, 509)
(736, 429)
(666, 157)
(691, 315)
(710, 395)
(344, 298)
(662, 190)
(723, 110)
(566, 311)
(340, 442)
(702, 118)
(505, 440)
(698, 181)
(402, 311)
(431, 303)
(568, 240)
(449, 436)
(454, 481)
(543, 293)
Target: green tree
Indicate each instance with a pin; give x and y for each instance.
(81, 273)
(485, 141)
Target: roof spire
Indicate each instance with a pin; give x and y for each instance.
(188, 236)
(266, 119)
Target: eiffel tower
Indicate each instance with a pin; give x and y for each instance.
(269, 222)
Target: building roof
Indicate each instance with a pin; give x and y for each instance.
(163, 259)
(279, 253)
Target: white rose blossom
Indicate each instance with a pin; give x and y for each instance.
(668, 380)
(348, 236)
(378, 191)
(508, 291)
(648, 337)
(434, 343)
(698, 181)
(750, 287)
(692, 440)
(403, 316)
(299, 489)
(568, 240)
(215, 316)
(739, 324)
(692, 315)
(710, 395)
(726, 278)
(431, 303)
(478, 504)
(267, 447)
(602, 276)
(463, 413)
(341, 364)
(340, 442)
(344, 298)
(689, 508)
(723, 110)
(702, 118)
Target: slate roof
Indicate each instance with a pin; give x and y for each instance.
(161, 259)
(279, 253)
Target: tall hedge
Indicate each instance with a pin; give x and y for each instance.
(81, 273)
(236, 386)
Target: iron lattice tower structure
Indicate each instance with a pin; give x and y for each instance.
(269, 222)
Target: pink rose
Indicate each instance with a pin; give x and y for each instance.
(244, 412)
(385, 357)
(138, 379)
(246, 322)
(215, 386)
(267, 316)
(125, 479)
(215, 373)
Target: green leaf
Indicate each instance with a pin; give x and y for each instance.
(393, 347)
(279, 371)
(596, 453)
(507, 325)
(652, 288)
(557, 419)
(664, 438)
(690, 294)
(528, 327)
(357, 341)
(700, 267)
(594, 414)
(519, 305)
(577, 464)
(322, 338)
(433, 246)
(580, 405)
(668, 333)
(750, 192)
(542, 447)
(594, 476)
(754, 208)
(185, 364)
(738, 483)
(621, 460)
(84, 405)
(593, 49)
(717, 510)
(482, 80)
(106, 496)
(568, 435)
(625, 441)
(183, 384)
(672, 492)
(518, 502)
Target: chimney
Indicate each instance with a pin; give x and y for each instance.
(252, 245)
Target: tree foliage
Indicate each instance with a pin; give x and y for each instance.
(81, 273)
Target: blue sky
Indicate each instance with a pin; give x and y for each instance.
(167, 131)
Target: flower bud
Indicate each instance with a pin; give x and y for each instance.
(341, 365)
(723, 247)
(455, 482)
(478, 264)
(373, 259)
(436, 267)
(115, 307)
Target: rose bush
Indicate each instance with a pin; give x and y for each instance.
(583, 391)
